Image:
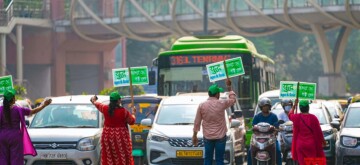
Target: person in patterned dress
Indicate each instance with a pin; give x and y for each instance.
(116, 146)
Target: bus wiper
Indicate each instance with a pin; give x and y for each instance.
(85, 126)
(183, 123)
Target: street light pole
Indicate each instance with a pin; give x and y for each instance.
(205, 17)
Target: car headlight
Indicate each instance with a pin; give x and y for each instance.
(327, 144)
(349, 141)
(86, 144)
(158, 138)
(327, 133)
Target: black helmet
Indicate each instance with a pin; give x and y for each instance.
(264, 101)
(285, 102)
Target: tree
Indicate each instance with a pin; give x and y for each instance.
(124, 91)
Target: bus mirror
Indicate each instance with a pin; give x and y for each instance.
(152, 77)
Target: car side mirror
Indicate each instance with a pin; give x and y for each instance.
(235, 123)
(27, 123)
(238, 113)
(335, 124)
(152, 76)
(146, 122)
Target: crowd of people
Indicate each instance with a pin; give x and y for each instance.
(307, 142)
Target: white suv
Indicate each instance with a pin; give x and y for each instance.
(170, 138)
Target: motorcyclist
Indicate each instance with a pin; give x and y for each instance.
(287, 105)
(267, 117)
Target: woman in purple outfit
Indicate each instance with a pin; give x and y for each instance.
(11, 138)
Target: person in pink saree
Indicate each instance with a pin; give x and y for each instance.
(14, 141)
(308, 138)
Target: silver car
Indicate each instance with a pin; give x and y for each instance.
(348, 143)
(67, 131)
(170, 138)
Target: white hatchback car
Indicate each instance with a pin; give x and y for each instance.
(170, 138)
(67, 132)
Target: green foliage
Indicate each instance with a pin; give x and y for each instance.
(140, 53)
(351, 62)
(124, 91)
(20, 92)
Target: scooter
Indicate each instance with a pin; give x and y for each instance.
(285, 135)
(263, 144)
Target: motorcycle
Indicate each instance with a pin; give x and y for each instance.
(285, 135)
(263, 144)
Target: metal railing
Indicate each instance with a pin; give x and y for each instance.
(23, 9)
(110, 8)
(6, 14)
(162, 7)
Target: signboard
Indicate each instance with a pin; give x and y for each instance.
(139, 75)
(197, 59)
(307, 91)
(121, 77)
(288, 89)
(234, 67)
(216, 71)
(5, 84)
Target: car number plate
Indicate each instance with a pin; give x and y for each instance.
(189, 153)
(54, 156)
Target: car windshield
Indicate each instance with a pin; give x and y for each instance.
(143, 110)
(277, 110)
(319, 113)
(177, 114)
(352, 119)
(67, 116)
(332, 109)
(274, 100)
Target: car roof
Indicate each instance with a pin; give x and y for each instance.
(77, 99)
(354, 105)
(222, 94)
(184, 99)
(316, 105)
(127, 99)
(272, 93)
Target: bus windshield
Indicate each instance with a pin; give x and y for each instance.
(187, 79)
(182, 69)
(187, 73)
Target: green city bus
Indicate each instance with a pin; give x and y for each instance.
(183, 69)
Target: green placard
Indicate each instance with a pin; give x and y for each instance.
(216, 71)
(121, 77)
(139, 75)
(5, 83)
(288, 89)
(307, 91)
(234, 67)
